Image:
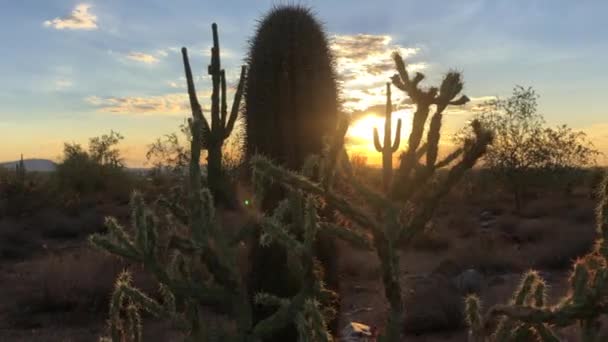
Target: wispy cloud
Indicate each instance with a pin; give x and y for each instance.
(80, 19)
(142, 57)
(62, 84)
(364, 65)
(167, 104)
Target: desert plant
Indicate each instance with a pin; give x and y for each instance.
(528, 316)
(291, 110)
(291, 95)
(409, 208)
(199, 270)
(99, 170)
(525, 147)
(102, 152)
(222, 122)
(388, 149)
(20, 171)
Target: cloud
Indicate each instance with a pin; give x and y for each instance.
(167, 104)
(364, 65)
(62, 84)
(79, 19)
(142, 57)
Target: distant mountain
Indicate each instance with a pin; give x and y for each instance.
(40, 165)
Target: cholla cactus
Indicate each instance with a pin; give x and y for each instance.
(388, 149)
(222, 122)
(199, 270)
(408, 208)
(528, 317)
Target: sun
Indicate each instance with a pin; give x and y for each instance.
(361, 133)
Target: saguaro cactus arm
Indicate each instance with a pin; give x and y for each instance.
(222, 123)
(388, 149)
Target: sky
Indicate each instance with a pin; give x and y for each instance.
(71, 70)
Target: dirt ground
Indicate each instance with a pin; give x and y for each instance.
(60, 291)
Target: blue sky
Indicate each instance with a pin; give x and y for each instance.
(70, 70)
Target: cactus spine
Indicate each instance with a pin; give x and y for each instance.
(388, 149)
(529, 316)
(222, 122)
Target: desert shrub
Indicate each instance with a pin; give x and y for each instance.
(525, 150)
(22, 195)
(16, 242)
(431, 240)
(95, 171)
(54, 284)
(529, 316)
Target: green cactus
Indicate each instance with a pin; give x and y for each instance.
(175, 260)
(528, 311)
(291, 95)
(291, 109)
(388, 149)
(222, 122)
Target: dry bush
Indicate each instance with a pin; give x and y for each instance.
(485, 253)
(431, 240)
(433, 304)
(81, 281)
(462, 222)
(563, 243)
(15, 241)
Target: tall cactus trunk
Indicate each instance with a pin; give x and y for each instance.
(388, 149)
(215, 134)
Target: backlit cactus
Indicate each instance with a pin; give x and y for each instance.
(222, 122)
(291, 98)
(389, 148)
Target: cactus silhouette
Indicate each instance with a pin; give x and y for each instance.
(388, 149)
(20, 171)
(222, 122)
(291, 108)
(175, 258)
(291, 95)
(399, 218)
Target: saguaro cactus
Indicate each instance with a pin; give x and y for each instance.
(222, 123)
(291, 94)
(388, 149)
(20, 171)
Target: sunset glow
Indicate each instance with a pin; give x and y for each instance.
(360, 135)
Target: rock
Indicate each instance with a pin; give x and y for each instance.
(433, 304)
(469, 281)
(358, 332)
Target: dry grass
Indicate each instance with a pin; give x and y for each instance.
(77, 284)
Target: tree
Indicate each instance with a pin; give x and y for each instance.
(523, 145)
(102, 149)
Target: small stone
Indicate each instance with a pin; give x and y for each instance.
(469, 281)
(357, 332)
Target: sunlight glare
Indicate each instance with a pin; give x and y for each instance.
(361, 133)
